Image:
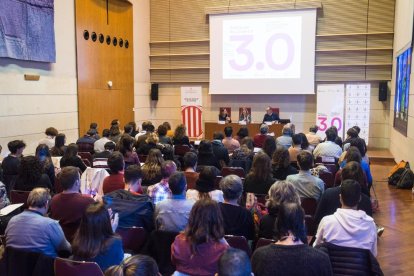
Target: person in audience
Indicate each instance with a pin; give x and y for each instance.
(224, 115)
(95, 240)
(245, 152)
(205, 185)
(329, 201)
(68, 206)
(99, 145)
(259, 138)
(286, 138)
(329, 147)
(11, 163)
(136, 265)
(338, 140)
(242, 133)
(94, 127)
(150, 143)
(295, 148)
(114, 134)
(245, 116)
(190, 165)
(237, 220)
(115, 123)
(162, 135)
(71, 158)
(280, 192)
(170, 132)
(234, 262)
(31, 175)
(290, 254)
(144, 129)
(197, 250)
(312, 136)
(180, 137)
(59, 148)
(270, 116)
(43, 155)
(269, 146)
(349, 226)
(281, 166)
(206, 155)
(220, 151)
(307, 185)
(88, 138)
(173, 214)
(49, 140)
(109, 149)
(115, 181)
(126, 144)
(4, 200)
(147, 128)
(151, 170)
(260, 178)
(134, 131)
(33, 231)
(160, 191)
(128, 130)
(229, 142)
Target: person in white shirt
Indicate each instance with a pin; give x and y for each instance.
(329, 147)
(49, 140)
(313, 138)
(348, 226)
(99, 145)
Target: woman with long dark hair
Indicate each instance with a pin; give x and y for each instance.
(198, 249)
(151, 170)
(31, 175)
(126, 147)
(260, 178)
(180, 137)
(43, 155)
(71, 158)
(281, 166)
(95, 239)
(59, 148)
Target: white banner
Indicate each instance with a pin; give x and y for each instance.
(358, 100)
(330, 108)
(191, 110)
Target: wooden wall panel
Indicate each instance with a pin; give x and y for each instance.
(99, 63)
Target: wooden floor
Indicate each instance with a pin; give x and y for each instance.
(396, 245)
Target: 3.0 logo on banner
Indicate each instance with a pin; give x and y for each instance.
(325, 123)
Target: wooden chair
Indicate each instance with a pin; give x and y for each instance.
(86, 155)
(133, 239)
(238, 242)
(263, 242)
(232, 170)
(66, 267)
(328, 178)
(19, 197)
(181, 149)
(309, 205)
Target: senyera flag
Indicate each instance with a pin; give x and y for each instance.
(192, 110)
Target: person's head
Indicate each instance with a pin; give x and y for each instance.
(60, 140)
(261, 166)
(282, 192)
(39, 199)
(133, 177)
(269, 146)
(232, 187)
(136, 265)
(115, 122)
(168, 168)
(145, 125)
(287, 130)
(162, 130)
(352, 170)
(269, 110)
(264, 129)
(305, 142)
(291, 221)
(180, 132)
(190, 160)
(228, 131)
(69, 178)
(116, 162)
(109, 146)
(234, 262)
(106, 132)
(154, 157)
(350, 193)
(243, 132)
(353, 154)
(94, 231)
(357, 128)
(152, 138)
(177, 183)
(167, 125)
(352, 133)
(314, 128)
(114, 131)
(42, 152)
(296, 140)
(205, 223)
(218, 135)
(126, 144)
(245, 111)
(133, 125)
(51, 131)
(281, 157)
(91, 132)
(71, 151)
(330, 135)
(128, 129)
(30, 169)
(206, 179)
(16, 147)
(359, 144)
(305, 160)
(205, 147)
(248, 142)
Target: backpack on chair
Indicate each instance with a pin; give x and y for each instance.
(397, 171)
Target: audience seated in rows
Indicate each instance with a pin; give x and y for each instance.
(99, 145)
(161, 190)
(172, 214)
(234, 262)
(260, 178)
(348, 226)
(59, 148)
(290, 254)
(281, 166)
(307, 185)
(109, 148)
(32, 231)
(10, 164)
(68, 206)
(259, 138)
(135, 265)
(189, 168)
(313, 138)
(286, 138)
(43, 155)
(115, 181)
(229, 142)
(31, 175)
(126, 144)
(237, 220)
(280, 193)
(205, 185)
(151, 170)
(206, 155)
(49, 140)
(197, 250)
(71, 158)
(329, 147)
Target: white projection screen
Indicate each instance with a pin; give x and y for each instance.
(263, 52)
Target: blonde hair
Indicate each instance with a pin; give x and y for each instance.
(38, 197)
(282, 192)
(152, 138)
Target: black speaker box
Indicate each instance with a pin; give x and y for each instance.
(154, 92)
(383, 91)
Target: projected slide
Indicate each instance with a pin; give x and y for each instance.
(262, 48)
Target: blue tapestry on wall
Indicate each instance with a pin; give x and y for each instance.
(27, 30)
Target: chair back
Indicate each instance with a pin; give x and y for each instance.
(263, 242)
(25, 263)
(86, 155)
(238, 242)
(85, 147)
(328, 178)
(100, 163)
(19, 197)
(181, 149)
(133, 238)
(87, 162)
(66, 267)
(239, 171)
(309, 205)
(330, 162)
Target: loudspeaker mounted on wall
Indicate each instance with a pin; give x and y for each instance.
(383, 91)
(154, 92)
